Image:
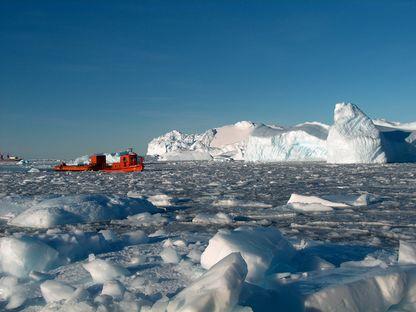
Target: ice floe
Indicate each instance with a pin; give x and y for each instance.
(262, 249)
(215, 291)
(51, 212)
(20, 256)
(407, 252)
(53, 290)
(218, 218)
(104, 270)
(327, 202)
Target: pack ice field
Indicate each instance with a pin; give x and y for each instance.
(208, 236)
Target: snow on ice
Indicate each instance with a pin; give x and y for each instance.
(261, 248)
(215, 291)
(239, 242)
(51, 212)
(353, 138)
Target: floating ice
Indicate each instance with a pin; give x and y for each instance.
(147, 219)
(169, 255)
(223, 142)
(232, 202)
(307, 202)
(11, 291)
(135, 237)
(354, 138)
(312, 207)
(302, 142)
(185, 156)
(114, 289)
(54, 290)
(103, 270)
(377, 290)
(215, 291)
(56, 211)
(263, 249)
(407, 252)
(218, 218)
(160, 200)
(19, 256)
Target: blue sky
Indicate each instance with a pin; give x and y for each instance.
(79, 77)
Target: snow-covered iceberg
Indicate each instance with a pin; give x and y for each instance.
(306, 141)
(355, 138)
(224, 142)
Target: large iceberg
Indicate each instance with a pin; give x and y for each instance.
(306, 141)
(355, 138)
(223, 142)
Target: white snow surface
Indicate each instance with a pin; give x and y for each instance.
(53, 290)
(50, 212)
(410, 126)
(299, 143)
(407, 252)
(226, 141)
(102, 271)
(20, 256)
(216, 291)
(353, 138)
(185, 156)
(336, 201)
(348, 259)
(261, 248)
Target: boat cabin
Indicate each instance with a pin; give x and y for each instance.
(126, 160)
(98, 161)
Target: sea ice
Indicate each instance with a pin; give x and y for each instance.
(53, 290)
(218, 218)
(307, 202)
(169, 255)
(104, 270)
(52, 212)
(407, 252)
(114, 289)
(11, 291)
(220, 143)
(354, 138)
(299, 143)
(19, 256)
(216, 291)
(147, 219)
(263, 249)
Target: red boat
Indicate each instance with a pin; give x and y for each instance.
(129, 162)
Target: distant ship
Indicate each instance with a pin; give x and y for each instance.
(8, 157)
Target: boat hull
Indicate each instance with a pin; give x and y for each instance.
(136, 168)
(73, 168)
